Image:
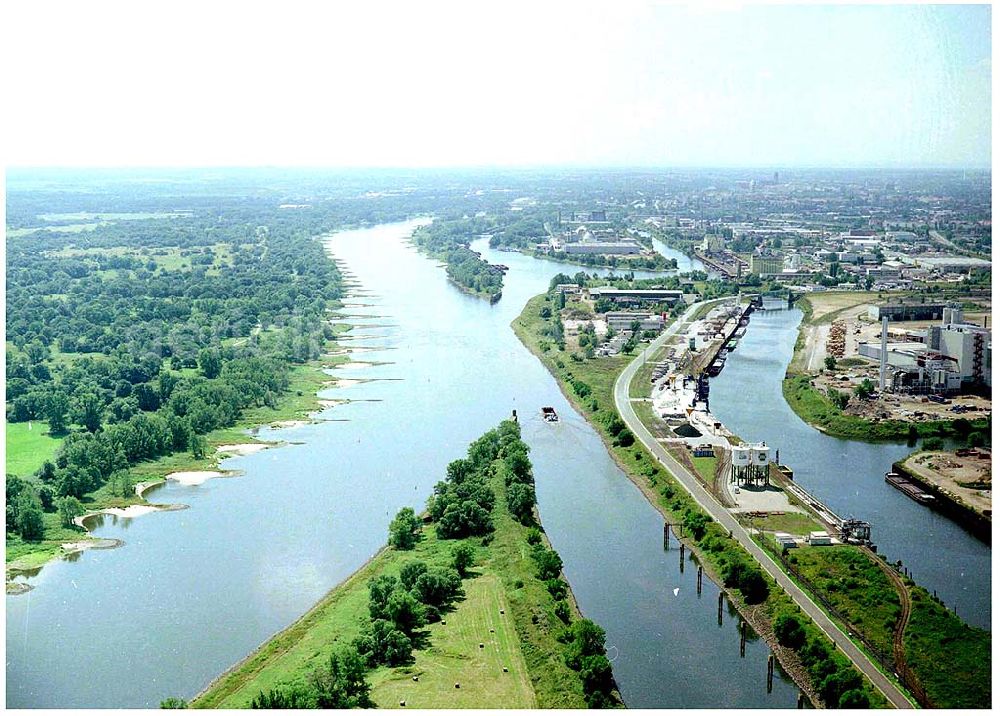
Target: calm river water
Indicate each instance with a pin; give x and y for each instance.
(192, 592)
(848, 475)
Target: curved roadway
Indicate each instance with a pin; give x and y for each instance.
(726, 519)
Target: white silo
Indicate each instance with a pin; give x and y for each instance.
(741, 455)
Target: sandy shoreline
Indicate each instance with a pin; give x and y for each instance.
(242, 448)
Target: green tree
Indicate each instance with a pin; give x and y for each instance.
(69, 509)
(342, 685)
(56, 410)
(410, 572)
(405, 611)
(548, 564)
(89, 411)
(853, 699)
(830, 362)
(175, 703)
(463, 556)
(383, 643)
(210, 362)
(789, 632)
(29, 516)
(198, 446)
(403, 529)
(586, 639)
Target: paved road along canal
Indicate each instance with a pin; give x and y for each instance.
(192, 592)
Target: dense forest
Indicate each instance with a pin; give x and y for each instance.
(139, 319)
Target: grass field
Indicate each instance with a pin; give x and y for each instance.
(792, 522)
(951, 659)
(28, 448)
(856, 586)
(706, 468)
(454, 657)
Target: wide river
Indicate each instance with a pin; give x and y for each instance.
(191, 592)
(848, 475)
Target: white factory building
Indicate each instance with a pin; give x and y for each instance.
(951, 354)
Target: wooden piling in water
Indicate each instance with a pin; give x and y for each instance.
(682, 558)
(666, 536)
(801, 701)
(699, 579)
(720, 608)
(743, 639)
(770, 672)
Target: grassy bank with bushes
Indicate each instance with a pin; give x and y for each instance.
(825, 674)
(950, 659)
(819, 411)
(466, 608)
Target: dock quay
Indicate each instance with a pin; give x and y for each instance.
(977, 523)
(727, 270)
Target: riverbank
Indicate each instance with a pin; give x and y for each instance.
(589, 386)
(294, 407)
(960, 500)
(660, 263)
(496, 646)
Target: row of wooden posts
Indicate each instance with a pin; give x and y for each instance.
(801, 701)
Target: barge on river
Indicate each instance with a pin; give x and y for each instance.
(909, 488)
(549, 415)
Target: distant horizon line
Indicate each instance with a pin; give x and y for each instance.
(493, 167)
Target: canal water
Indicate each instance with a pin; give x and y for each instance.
(848, 475)
(191, 592)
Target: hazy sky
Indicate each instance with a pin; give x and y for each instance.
(435, 84)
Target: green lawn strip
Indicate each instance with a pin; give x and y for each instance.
(28, 449)
(706, 468)
(660, 488)
(794, 523)
(855, 586)
(951, 659)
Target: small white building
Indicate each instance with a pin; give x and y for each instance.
(819, 538)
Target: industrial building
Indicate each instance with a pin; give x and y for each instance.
(636, 296)
(907, 311)
(750, 464)
(766, 265)
(620, 321)
(615, 248)
(953, 356)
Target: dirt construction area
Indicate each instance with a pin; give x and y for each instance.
(968, 475)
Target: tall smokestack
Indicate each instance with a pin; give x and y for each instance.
(884, 356)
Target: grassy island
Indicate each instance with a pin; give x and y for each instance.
(466, 608)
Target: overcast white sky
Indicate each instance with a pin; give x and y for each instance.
(434, 84)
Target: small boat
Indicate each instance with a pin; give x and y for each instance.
(549, 415)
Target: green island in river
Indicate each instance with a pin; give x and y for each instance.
(465, 608)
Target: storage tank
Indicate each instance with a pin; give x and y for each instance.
(760, 454)
(741, 455)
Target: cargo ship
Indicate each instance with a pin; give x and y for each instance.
(909, 488)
